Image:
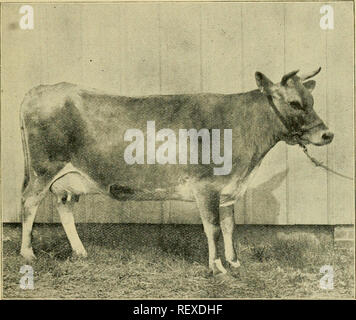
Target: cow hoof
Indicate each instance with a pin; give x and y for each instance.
(28, 254)
(217, 268)
(234, 268)
(234, 264)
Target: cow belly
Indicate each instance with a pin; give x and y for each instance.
(72, 181)
(124, 193)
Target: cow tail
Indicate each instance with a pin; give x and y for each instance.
(25, 153)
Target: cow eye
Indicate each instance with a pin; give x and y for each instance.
(296, 105)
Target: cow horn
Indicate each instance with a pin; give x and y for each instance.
(310, 75)
(288, 76)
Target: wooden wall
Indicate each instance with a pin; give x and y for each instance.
(150, 48)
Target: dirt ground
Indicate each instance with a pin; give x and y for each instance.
(155, 261)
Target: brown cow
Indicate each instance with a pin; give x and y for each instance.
(74, 144)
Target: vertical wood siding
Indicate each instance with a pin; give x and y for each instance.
(151, 48)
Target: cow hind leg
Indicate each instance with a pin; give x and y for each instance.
(29, 210)
(67, 189)
(65, 204)
(31, 198)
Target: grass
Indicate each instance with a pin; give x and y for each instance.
(154, 261)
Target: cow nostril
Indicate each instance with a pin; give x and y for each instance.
(328, 136)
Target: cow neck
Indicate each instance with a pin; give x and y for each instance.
(262, 130)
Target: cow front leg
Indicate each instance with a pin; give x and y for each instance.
(65, 210)
(227, 223)
(212, 232)
(208, 205)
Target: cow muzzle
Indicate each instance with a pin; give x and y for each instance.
(318, 138)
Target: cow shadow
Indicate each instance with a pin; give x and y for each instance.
(262, 205)
(189, 241)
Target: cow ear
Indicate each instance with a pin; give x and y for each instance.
(263, 83)
(310, 85)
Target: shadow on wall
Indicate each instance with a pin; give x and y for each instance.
(264, 207)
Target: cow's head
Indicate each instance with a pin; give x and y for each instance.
(293, 99)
